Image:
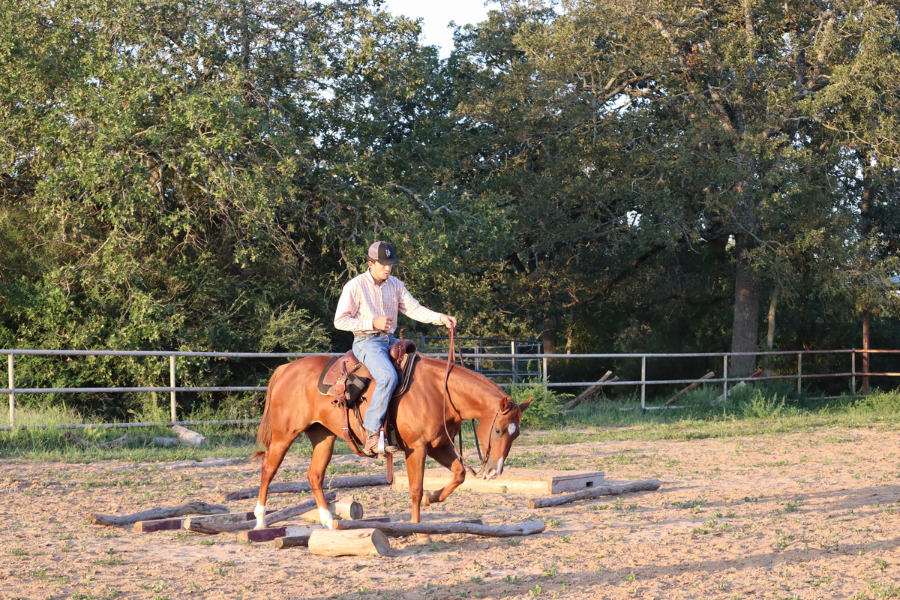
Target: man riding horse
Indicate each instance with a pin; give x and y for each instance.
(368, 307)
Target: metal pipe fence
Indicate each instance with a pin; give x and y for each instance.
(540, 374)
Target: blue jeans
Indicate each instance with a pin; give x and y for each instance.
(373, 353)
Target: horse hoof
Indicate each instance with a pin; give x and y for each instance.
(423, 537)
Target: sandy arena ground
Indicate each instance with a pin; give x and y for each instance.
(812, 515)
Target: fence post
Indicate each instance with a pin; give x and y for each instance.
(799, 372)
(853, 370)
(515, 363)
(172, 385)
(725, 378)
(643, 382)
(544, 371)
(477, 360)
(12, 395)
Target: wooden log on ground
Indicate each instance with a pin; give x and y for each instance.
(291, 541)
(275, 517)
(303, 486)
(524, 528)
(191, 508)
(342, 509)
(180, 523)
(122, 441)
(607, 490)
(270, 533)
(188, 437)
(509, 484)
(689, 388)
(587, 393)
(360, 542)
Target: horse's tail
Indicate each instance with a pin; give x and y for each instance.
(264, 435)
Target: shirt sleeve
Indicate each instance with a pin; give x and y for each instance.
(410, 307)
(346, 315)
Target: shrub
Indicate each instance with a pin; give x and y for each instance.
(544, 410)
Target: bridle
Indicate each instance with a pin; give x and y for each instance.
(510, 406)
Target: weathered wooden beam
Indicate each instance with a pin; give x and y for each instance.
(587, 393)
(342, 509)
(509, 484)
(361, 542)
(191, 508)
(179, 523)
(275, 517)
(689, 388)
(303, 486)
(524, 528)
(270, 533)
(122, 441)
(607, 490)
(188, 437)
(291, 541)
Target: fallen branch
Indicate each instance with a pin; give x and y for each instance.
(607, 490)
(275, 517)
(303, 486)
(191, 508)
(588, 392)
(122, 441)
(188, 437)
(524, 528)
(689, 388)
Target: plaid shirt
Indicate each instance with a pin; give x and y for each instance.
(362, 300)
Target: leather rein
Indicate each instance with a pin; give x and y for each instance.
(483, 457)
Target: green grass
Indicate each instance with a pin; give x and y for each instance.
(750, 411)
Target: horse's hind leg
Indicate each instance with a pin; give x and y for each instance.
(446, 456)
(323, 447)
(278, 447)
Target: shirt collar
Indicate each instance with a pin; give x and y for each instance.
(368, 275)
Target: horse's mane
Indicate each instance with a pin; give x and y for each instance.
(465, 375)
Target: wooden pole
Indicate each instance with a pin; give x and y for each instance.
(607, 490)
(172, 385)
(524, 528)
(191, 508)
(188, 437)
(588, 392)
(342, 509)
(296, 487)
(689, 388)
(362, 542)
(270, 533)
(275, 517)
(122, 441)
(292, 541)
(865, 360)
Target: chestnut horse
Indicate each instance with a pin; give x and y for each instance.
(425, 425)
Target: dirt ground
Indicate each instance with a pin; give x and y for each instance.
(811, 515)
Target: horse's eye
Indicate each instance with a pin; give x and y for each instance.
(497, 431)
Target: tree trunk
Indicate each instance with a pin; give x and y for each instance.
(549, 335)
(745, 327)
(770, 336)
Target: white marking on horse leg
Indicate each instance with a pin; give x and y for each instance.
(325, 518)
(512, 428)
(260, 513)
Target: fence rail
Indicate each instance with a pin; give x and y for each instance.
(539, 375)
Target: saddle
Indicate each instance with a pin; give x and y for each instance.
(346, 379)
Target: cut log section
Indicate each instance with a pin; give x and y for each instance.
(297, 487)
(359, 542)
(122, 441)
(188, 437)
(270, 533)
(524, 528)
(191, 508)
(342, 509)
(645, 485)
(291, 541)
(184, 523)
(275, 517)
(587, 393)
(509, 484)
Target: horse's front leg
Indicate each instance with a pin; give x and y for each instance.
(323, 447)
(446, 456)
(274, 454)
(415, 471)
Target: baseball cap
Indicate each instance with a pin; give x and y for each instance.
(383, 253)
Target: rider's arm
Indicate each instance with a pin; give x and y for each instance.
(346, 315)
(410, 307)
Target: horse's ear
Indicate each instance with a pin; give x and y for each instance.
(524, 405)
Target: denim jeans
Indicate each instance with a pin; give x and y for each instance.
(373, 353)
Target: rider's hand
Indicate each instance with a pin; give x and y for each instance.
(382, 323)
(448, 321)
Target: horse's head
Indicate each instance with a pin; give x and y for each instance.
(497, 431)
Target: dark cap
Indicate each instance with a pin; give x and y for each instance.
(383, 253)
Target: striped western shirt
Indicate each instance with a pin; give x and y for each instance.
(362, 300)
